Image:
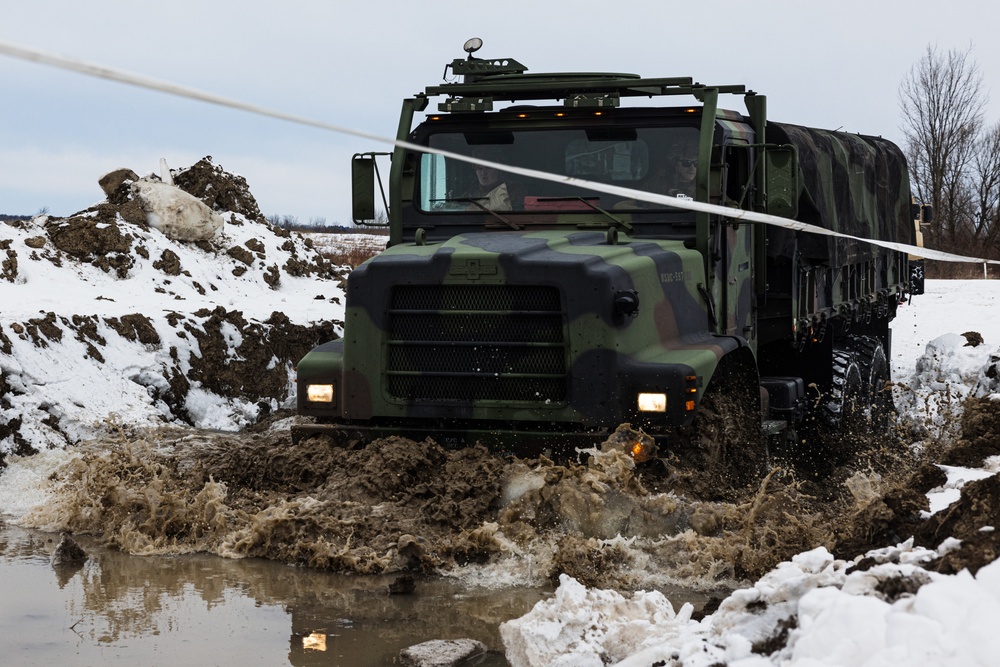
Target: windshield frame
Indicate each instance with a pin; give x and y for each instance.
(576, 206)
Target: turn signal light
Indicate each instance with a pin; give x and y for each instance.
(640, 452)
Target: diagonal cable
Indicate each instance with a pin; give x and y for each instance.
(102, 72)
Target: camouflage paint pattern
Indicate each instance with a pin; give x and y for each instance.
(857, 185)
(607, 358)
(467, 328)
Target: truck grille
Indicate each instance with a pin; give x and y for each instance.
(464, 343)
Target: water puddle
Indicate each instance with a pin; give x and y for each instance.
(200, 609)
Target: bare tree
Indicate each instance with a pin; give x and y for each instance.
(943, 101)
(986, 221)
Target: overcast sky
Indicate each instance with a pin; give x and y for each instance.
(831, 65)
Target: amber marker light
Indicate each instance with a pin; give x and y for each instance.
(640, 453)
(650, 402)
(691, 390)
(320, 393)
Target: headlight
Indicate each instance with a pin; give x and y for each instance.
(320, 393)
(649, 402)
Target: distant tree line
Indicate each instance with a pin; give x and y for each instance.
(317, 225)
(11, 218)
(953, 154)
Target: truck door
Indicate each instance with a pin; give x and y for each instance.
(736, 245)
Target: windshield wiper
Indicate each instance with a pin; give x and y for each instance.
(478, 204)
(587, 200)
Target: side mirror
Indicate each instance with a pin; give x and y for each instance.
(364, 177)
(782, 177)
(363, 169)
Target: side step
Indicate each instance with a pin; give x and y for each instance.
(783, 402)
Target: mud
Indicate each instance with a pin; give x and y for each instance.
(980, 435)
(895, 514)
(397, 506)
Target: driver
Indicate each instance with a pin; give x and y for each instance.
(490, 190)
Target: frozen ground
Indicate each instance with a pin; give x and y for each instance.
(109, 327)
(877, 610)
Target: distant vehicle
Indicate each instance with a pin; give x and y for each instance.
(534, 315)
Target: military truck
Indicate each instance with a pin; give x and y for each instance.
(539, 308)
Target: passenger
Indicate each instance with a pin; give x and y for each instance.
(684, 174)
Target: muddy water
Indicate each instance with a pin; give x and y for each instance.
(204, 610)
(215, 549)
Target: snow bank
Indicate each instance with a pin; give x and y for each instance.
(813, 611)
(880, 610)
(110, 322)
(950, 370)
(582, 627)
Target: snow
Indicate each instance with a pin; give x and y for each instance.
(564, 631)
(815, 610)
(176, 213)
(57, 375)
(831, 613)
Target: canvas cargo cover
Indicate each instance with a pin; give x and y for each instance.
(850, 183)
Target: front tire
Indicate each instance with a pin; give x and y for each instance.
(724, 450)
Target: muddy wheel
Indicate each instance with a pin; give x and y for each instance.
(838, 426)
(724, 450)
(842, 409)
(879, 408)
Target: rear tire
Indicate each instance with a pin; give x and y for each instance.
(854, 413)
(879, 406)
(843, 408)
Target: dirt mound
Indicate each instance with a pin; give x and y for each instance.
(973, 520)
(113, 234)
(218, 189)
(170, 358)
(257, 367)
(898, 511)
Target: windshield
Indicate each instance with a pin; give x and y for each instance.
(655, 159)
